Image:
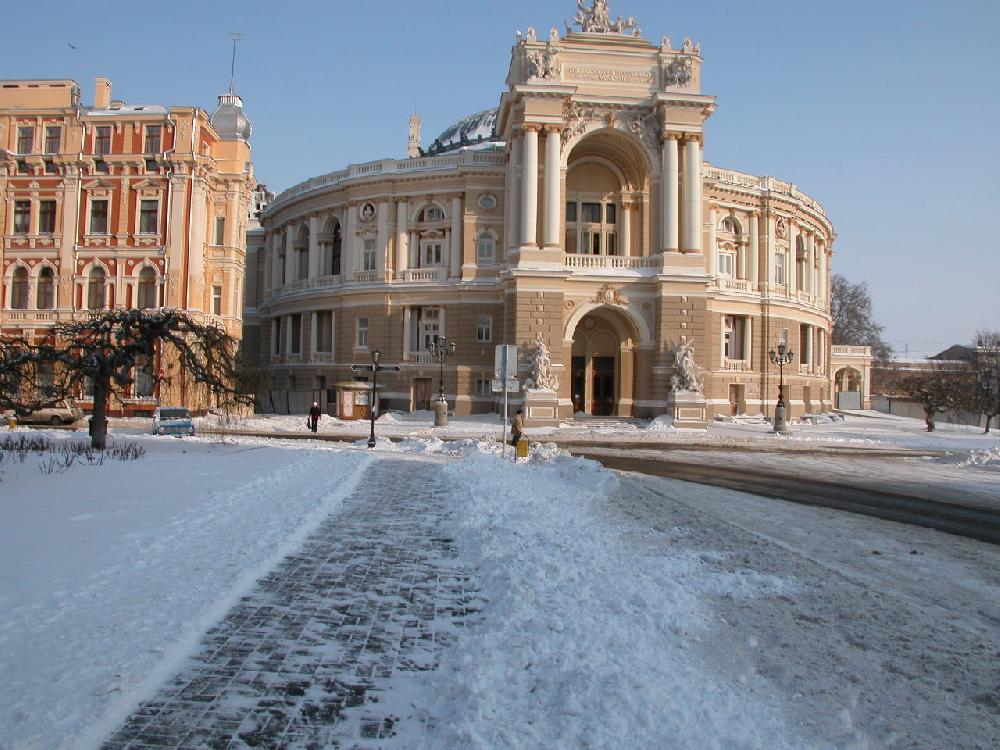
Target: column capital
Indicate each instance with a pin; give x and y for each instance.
(665, 136)
(694, 137)
(531, 127)
(557, 129)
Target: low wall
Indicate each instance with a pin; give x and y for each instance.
(901, 406)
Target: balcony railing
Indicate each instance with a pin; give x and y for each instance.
(602, 263)
(845, 350)
(742, 286)
(424, 274)
(366, 277)
(420, 358)
(736, 365)
(30, 316)
(322, 357)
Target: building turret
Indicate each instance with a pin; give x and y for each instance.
(414, 144)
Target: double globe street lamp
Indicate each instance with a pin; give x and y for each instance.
(440, 350)
(782, 357)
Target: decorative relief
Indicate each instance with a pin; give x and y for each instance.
(543, 63)
(643, 124)
(608, 295)
(780, 229)
(569, 304)
(597, 20)
(367, 211)
(680, 72)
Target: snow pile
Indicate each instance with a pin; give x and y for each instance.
(110, 574)
(984, 459)
(663, 423)
(588, 634)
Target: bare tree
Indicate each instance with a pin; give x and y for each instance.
(106, 347)
(853, 322)
(938, 388)
(986, 363)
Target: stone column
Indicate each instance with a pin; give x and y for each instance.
(382, 240)
(512, 238)
(769, 252)
(407, 331)
(669, 194)
(754, 250)
(626, 233)
(712, 250)
(748, 341)
(457, 248)
(811, 263)
(402, 235)
(289, 253)
(807, 360)
(552, 213)
(793, 251)
(314, 256)
(529, 188)
(350, 262)
(692, 196)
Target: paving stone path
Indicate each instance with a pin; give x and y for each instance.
(301, 661)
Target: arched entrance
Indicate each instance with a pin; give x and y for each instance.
(847, 383)
(602, 369)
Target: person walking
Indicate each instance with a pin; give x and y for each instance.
(516, 428)
(314, 415)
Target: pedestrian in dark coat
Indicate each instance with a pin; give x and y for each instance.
(314, 415)
(516, 428)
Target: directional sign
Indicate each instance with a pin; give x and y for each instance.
(389, 368)
(361, 369)
(513, 385)
(365, 369)
(505, 361)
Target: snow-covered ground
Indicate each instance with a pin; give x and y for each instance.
(616, 610)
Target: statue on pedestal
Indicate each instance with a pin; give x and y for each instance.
(541, 368)
(687, 375)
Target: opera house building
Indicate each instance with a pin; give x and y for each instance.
(583, 210)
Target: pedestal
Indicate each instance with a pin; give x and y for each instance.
(688, 410)
(440, 412)
(780, 425)
(541, 408)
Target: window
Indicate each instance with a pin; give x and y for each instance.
(731, 225)
(152, 145)
(142, 374)
(22, 217)
(431, 255)
(220, 230)
(486, 248)
(50, 167)
(19, 289)
(149, 216)
(45, 293)
(46, 217)
(487, 202)
(99, 216)
(276, 337)
(217, 300)
(324, 331)
(431, 213)
(484, 329)
(484, 387)
(146, 289)
(368, 257)
(732, 345)
(779, 268)
(25, 139)
(102, 140)
(429, 327)
(296, 343)
(590, 228)
(96, 289)
(53, 139)
(727, 262)
(361, 333)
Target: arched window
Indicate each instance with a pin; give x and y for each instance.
(335, 249)
(431, 213)
(302, 253)
(146, 296)
(732, 225)
(19, 289)
(486, 248)
(97, 289)
(45, 296)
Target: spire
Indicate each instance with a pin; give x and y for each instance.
(229, 119)
(235, 36)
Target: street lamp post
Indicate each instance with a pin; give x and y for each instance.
(782, 357)
(371, 405)
(440, 350)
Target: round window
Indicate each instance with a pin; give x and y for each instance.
(487, 202)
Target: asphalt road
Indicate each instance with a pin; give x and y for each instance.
(857, 497)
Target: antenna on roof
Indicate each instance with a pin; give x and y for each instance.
(235, 36)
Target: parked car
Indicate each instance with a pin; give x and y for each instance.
(59, 413)
(172, 420)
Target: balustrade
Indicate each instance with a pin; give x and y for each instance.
(736, 365)
(582, 262)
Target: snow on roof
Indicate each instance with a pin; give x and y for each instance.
(129, 109)
(471, 128)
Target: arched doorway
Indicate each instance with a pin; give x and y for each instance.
(849, 388)
(602, 369)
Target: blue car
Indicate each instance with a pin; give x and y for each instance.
(172, 420)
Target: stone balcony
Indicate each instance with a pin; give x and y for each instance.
(736, 365)
(31, 317)
(600, 264)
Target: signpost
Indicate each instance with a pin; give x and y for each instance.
(505, 379)
(374, 368)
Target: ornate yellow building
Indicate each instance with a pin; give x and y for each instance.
(121, 205)
(581, 209)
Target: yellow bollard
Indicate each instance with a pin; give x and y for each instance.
(12, 422)
(522, 448)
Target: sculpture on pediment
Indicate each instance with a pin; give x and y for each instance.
(687, 375)
(597, 20)
(679, 72)
(608, 295)
(542, 377)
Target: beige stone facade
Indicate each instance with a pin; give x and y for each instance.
(118, 205)
(582, 209)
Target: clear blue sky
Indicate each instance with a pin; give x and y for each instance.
(886, 112)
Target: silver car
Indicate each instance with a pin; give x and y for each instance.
(172, 420)
(58, 413)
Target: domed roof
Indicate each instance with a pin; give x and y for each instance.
(470, 130)
(229, 120)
